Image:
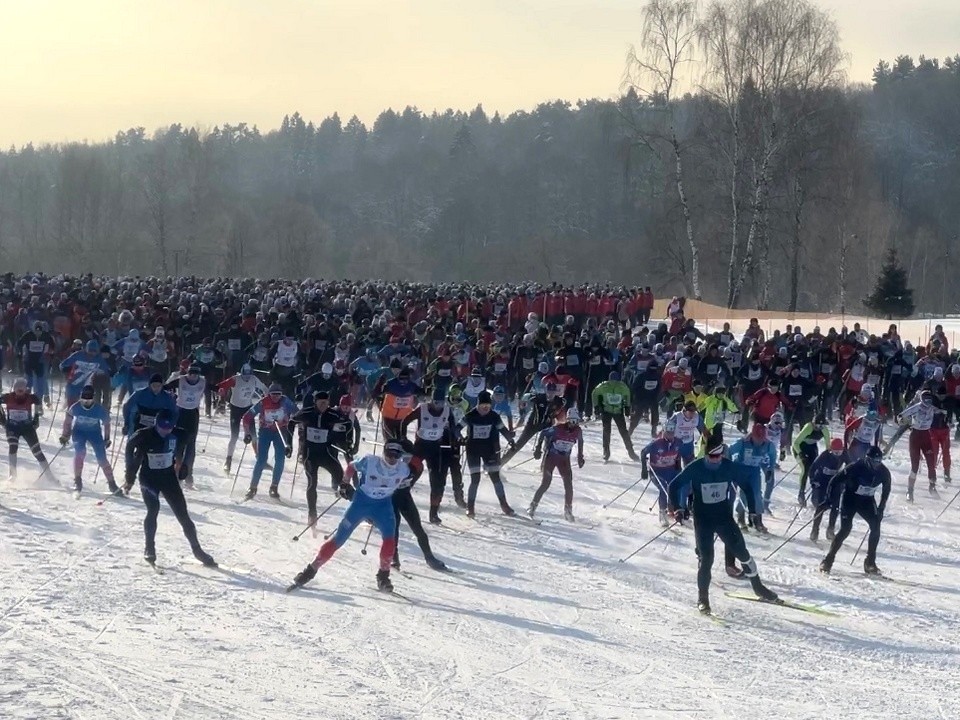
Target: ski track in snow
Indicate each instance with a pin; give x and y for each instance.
(543, 622)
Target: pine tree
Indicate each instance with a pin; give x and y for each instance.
(891, 297)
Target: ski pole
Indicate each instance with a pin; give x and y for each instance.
(522, 463)
(642, 493)
(56, 455)
(859, 547)
(296, 469)
(797, 514)
(623, 493)
(799, 530)
(783, 476)
(662, 487)
(656, 537)
(237, 474)
(55, 409)
(946, 506)
(207, 439)
(363, 550)
(314, 521)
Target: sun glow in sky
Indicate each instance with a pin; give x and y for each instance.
(83, 69)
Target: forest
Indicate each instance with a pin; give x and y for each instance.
(735, 163)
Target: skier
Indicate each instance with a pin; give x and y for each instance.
(142, 407)
(403, 504)
(709, 480)
(190, 390)
(862, 432)
(369, 484)
(85, 422)
(34, 348)
(560, 441)
(688, 424)
(436, 435)
(758, 452)
(543, 409)
(80, 369)
(919, 416)
(398, 400)
(859, 482)
(152, 450)
(483, 429)
(611, 399)
(805, 448)
(274, 413)
(319, 423)
(245, 389)
(822, 471)
(20, 413)
(664, 457)
(715, 408)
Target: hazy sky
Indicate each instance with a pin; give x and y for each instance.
(82, 69)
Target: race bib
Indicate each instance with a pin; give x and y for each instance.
(431, 433)
(481, 432)
(19, 416)
(868, 490)
(713, 493)
(443, 372)
(148, 420)
(614, 399)
(36, 346)
(273, 416)
(500, 367)
(233, 344)
(572, 360)
(528, 363)
(650, 385)
(795, 390)
(159, 461)
(402, 403)
(563, 446)
(316, 435)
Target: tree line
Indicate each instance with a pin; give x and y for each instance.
(738, 165)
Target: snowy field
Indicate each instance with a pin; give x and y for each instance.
(543, 622)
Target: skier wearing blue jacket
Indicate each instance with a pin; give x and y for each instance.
(756, 451)
(80, 368)
(141, 410)
(88, 422)
(710, 481)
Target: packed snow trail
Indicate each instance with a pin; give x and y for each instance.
(540, 622)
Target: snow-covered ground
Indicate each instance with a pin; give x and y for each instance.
(543, 622)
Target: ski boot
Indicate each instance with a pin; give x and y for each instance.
(826, 565)
(434, 516)
(703, 605)
(870, 567)
(762, 591)
(757, 522)
(664, 520)
(435, 564)
(831, 533)
(78, 485)
(114, 489)
(458, 497)
(933, 489)
(506, 509)
(205, 558)
(251, 493)
(946, 478)
(274, 492)
(383, 581)
(395, 563)
(814, 535)
(911, 481)
(471, 511)
(227, 465)
(150, 556)
(568, 514)
(188, 482)
(305, 576)
(741, 519)
(532, 510)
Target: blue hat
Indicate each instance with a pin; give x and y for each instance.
(164, 420)
(92, 346)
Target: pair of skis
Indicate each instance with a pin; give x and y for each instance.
(801, 607)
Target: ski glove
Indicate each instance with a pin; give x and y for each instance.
(580, 461)
(247, 438)
(289, 451)
(346, 491)
(63, 440)
(802, 499)
(537, 453)
(127, 487)
(36, 422)
(644, 472)
(107, 443)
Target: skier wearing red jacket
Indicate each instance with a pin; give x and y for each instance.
(765, 401)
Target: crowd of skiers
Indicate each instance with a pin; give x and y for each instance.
(461, 365)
